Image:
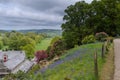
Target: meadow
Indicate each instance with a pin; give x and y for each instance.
(43, 45)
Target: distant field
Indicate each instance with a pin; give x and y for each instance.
(77, 64)
(43, 45)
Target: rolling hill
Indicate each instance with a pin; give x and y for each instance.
(49, 32)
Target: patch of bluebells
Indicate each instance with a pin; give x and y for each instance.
(76, 54)
(69, 57)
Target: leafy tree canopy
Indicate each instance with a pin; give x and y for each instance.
(82, 19)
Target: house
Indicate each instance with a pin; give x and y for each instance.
(13, 61)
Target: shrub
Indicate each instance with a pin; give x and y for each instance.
(101, 36)
(110, 39)
(54, 40)
(40, 55)
(88, 39)
(56, 49)
(1, 44)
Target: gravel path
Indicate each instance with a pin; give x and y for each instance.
(117, 59)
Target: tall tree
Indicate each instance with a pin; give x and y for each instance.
(83, 19)
(74, 27)
(106, 16)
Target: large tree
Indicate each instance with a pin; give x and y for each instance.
(106, 16)
(83, 19)
(74, 28)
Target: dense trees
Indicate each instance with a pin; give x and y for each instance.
(19, 41)
(83, 19)
(1, 44)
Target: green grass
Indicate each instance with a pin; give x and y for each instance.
(77, 69)
(107, 72)
(43, 45)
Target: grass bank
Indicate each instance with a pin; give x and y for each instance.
(77, 64)
(107, 71)
(43, 45)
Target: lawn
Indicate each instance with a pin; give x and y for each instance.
(43, 45)
(76, 64)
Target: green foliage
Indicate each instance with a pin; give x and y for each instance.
(36, 37)
(26, 40)
(48, 33)
(74, 69)
(56, 49)
(43, 45)
(101, 36)
(54, 40)
(88, 39)
(19, 41)
(82, 19)
(25, 76)
(74, 28)
(80, 68)
(29, 50)
(5, 40)
(1, 44)
(14, 40)
(110, 39)
(19, 76)
(34, 68)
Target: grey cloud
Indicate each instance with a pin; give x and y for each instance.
(24, 14)
(8, 21)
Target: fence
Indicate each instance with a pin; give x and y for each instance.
(105, 48)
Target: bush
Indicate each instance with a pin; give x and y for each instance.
(40, 55)
(101, 36)
(110, 39)
(88, 39)
(1, 44)
(56, 49)
(54, 40)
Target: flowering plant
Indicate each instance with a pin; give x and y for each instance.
(40, 55)
(101, 36)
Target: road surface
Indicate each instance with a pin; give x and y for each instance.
(117, 59)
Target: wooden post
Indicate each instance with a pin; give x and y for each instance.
(103, 52)
(95, 65)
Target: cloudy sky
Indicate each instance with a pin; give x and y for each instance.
(33, 14)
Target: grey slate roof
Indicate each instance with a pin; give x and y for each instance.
(16, 61)
(13, 62)
(25, 66)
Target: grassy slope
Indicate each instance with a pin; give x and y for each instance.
(43, 44)
(77, 68)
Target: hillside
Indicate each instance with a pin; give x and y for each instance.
(77, 64)
(49, 32)
(3, 31)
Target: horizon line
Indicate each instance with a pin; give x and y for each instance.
(26, 29)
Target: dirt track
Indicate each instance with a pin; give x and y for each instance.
(117, 59)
